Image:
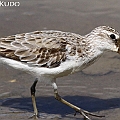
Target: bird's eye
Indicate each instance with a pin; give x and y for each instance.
(112, 36)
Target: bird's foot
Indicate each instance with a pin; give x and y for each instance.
(85, 114)
(34, 116)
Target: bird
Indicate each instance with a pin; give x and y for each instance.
(50, 54)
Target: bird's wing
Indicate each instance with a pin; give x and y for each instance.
(41, 48)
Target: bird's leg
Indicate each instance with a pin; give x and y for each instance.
(84, 113)
(33, 90)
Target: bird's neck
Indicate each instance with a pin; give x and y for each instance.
(92, 49)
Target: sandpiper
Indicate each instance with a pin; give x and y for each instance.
(51, 54)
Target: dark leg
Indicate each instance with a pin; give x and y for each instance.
(33, 90)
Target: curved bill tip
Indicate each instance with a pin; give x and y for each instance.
(118, 45)
(118, 50)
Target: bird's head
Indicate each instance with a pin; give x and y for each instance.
(106, 38)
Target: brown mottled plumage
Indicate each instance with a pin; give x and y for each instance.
(52, 54)
(41, 48)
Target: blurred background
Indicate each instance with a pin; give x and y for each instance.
(96, 88)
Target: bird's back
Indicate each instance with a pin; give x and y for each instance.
(40, 48)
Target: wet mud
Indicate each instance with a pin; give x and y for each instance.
(96, 89)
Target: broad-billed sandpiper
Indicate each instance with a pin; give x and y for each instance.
(51, 54)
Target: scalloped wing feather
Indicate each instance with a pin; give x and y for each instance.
(41, 48)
